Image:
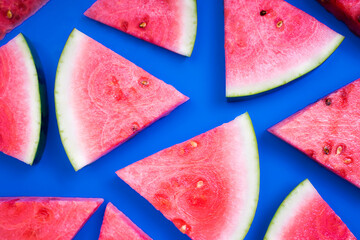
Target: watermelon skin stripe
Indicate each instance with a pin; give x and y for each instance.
(321, 222)
(169, 24)
(167, 178)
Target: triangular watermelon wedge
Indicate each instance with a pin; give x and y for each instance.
(15, 12)
(305, 215)
(328, 131)
(347, 11)
(117, 226)
(44, 218)
(269, 43)
(207, 186)
(103, 99)
(23, 103)
(168, 24)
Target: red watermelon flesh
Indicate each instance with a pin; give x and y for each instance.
(305, 215)
(167, 23)
(117, 226)
(347, 11)
(103, 99)
(21, 125)
(269, 43)
(207, 186)
(15, 12)
(328, 131)
(44, 218)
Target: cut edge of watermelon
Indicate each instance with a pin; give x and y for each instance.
(250, 144)
(189, 23)
(64, 120)
(36, 106)
(285, 210)
(289, 76)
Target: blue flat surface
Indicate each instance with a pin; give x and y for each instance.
(202, 78)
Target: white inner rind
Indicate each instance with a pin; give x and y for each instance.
(189, 27)
(34, 98)
(64, 111)
(288, 210)
(290, 75)
(250, 160)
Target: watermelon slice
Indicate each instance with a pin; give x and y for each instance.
(15, 12)
(347, 11)
(305, 215)
(328, 131)
(117, 226)
(269, 43)
(44, 218)
(103, 99)
(207, 186)
(168, 24)
(23, 118)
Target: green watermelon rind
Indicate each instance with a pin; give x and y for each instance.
(293, 74)
(64, 67)
(190, 25)
(38, 91)
(288, 205)
(243, 228)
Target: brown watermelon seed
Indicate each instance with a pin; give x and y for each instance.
(9, 14)
(359, 18)
(145, 83)
(262, 13)
(348, 160)
(327, 150)
(279, 24)
(328, 101)
(142, 25)
(135, 126)
(199, 184)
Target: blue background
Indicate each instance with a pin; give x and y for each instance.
(202, 78)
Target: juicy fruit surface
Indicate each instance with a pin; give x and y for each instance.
(14, 12)
(117, 226)
(269, 43)
(305, 215)
(44, 218)
(347, 11)
(161, 22)
(19, 101)
(105, 99)
(328, 131)
(207, 186)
